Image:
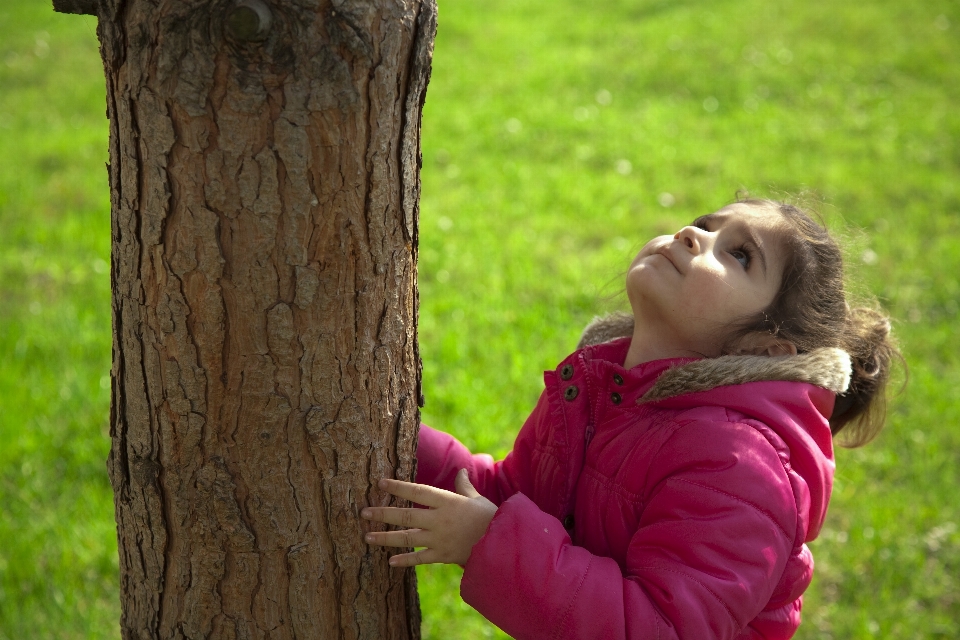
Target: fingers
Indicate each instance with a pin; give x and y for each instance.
(406, 538)
(446, 531)
(409, 518)
(424, 556)
(464, 486)
(417, 493)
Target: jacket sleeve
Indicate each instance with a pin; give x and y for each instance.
(440, 457)
(717, 526)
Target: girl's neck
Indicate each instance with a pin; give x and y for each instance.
(645, 347)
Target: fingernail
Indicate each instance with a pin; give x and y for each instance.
(365, 514)
(393, 562)
(368, 537)
(382, 484)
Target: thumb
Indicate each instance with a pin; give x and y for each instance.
(463, 485)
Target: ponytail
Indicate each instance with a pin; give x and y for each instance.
(860, 412)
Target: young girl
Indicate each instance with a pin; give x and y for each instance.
(676, 464)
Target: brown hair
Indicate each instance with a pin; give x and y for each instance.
(811, 311)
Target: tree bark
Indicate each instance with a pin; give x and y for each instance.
(264, 176)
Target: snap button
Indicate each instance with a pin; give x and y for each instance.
(617, 378)
(568, 522)
(566, 372)
(616, 398)
(571, 393)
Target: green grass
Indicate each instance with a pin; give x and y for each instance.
(552, 132)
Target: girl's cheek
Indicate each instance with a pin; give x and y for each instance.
(712, 309)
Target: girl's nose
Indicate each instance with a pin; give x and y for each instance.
(691, 238)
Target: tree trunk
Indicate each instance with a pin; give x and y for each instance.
(264, 180)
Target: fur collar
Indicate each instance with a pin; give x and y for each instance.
(828, 367)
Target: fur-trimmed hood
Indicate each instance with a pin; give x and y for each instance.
(828, 368)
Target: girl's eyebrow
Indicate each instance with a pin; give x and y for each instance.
(743, 228)
(703, 220)
(760, 252)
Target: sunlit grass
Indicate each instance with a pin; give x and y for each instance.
(557, 138)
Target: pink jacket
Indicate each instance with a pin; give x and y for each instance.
(670, 500)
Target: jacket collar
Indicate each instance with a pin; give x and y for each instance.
(828, 368)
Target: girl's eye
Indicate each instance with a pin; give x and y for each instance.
(700, 223)
(742, 256)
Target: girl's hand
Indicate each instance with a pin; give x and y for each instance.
(448, 529)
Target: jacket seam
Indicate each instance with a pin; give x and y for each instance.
(783, 453)
(612, 486)
(791, 537)
(755, 507)
(561, 625)
(553, 402)
(705, 588)
(548, 448)
(665, 438)
(592, 395)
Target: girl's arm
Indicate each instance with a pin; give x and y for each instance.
(458, 514)
(704, 561)
(440, 457)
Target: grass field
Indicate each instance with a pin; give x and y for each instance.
(558, 137)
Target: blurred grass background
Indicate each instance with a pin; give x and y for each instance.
(558, 137)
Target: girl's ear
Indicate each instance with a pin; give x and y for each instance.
(764, 344)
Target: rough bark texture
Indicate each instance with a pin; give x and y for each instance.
(265, 190)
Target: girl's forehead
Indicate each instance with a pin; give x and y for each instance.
(749, 213)
(762, 220)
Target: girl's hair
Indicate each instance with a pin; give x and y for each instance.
(811, 311)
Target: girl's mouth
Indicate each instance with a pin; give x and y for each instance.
(665, 252)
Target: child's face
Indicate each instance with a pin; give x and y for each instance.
(690, 289)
